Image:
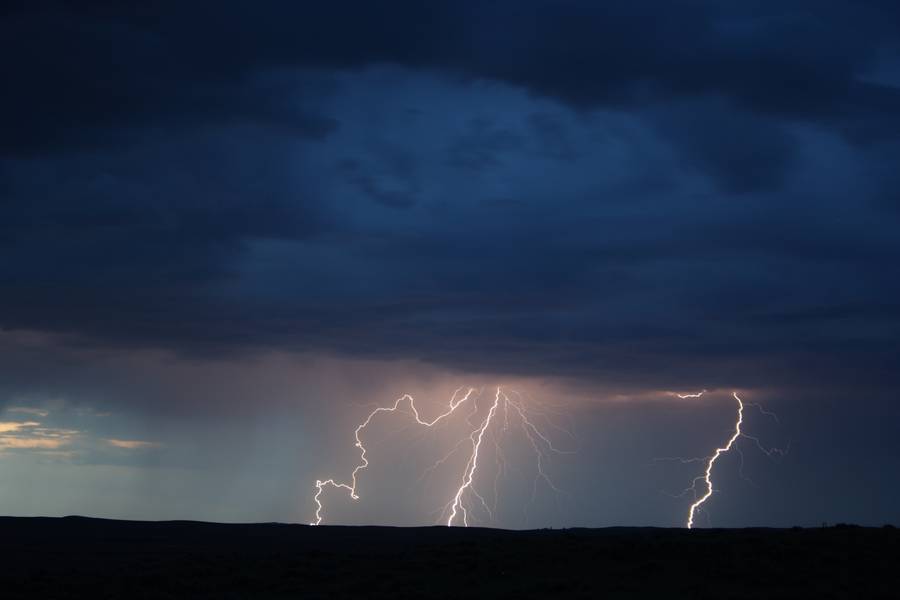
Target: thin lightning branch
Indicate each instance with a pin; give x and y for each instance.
(523, 401)
(763, 411)
(441, 460)
(530, 426)
(741, 473)
(770, 452)
(681, 459)
(499, 435)
(532, 432)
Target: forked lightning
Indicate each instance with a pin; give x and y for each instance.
(458, 508)
(710, 461)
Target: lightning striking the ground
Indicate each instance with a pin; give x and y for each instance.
(730, 444)
(458, 510)
(707, 474)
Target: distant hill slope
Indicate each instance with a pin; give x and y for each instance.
(78, 557)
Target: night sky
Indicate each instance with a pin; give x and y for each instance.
(228, 230)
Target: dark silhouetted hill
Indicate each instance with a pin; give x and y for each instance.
(78, 557)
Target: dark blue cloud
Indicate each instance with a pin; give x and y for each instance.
(549, 187)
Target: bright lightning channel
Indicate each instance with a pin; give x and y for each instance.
(472, 465)
(707, 475)
(710, 461)
(697, 395)
(456, 509)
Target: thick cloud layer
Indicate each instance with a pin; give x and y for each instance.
(625, 191)
(227, 228)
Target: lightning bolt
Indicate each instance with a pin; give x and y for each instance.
(472, 465)
(455, 402)
(697, 395)
(458, 508)
(710, 461)
(707, 475)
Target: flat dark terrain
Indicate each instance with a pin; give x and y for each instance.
(78, 557)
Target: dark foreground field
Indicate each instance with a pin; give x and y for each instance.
(77, 557)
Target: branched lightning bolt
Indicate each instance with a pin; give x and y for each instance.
(707, 475)
(461, 504)
(455, 401)
(710, 461)
(472, 465)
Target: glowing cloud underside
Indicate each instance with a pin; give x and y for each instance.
(496, 421)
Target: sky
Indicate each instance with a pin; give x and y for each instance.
(230, 230)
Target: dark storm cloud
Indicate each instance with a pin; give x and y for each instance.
(563, 187)
(92, 76)
(744, 152)
(119, 66)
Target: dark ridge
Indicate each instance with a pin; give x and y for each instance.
(75, 557)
